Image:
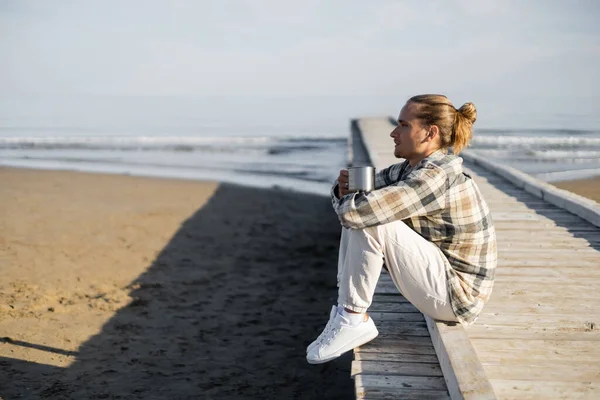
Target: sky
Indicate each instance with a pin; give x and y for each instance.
(509, 57)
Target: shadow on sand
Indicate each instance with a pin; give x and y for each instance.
(225, 312)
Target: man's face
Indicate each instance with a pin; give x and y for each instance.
(409, 135)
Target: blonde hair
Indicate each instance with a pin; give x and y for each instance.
(455, 125)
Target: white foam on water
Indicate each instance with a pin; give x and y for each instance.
(162, 140)
(582, 155)
(536, 140)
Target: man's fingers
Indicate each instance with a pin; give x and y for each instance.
(343, 182)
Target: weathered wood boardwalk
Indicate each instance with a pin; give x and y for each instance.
(537, 338)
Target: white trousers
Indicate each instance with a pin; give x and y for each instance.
(415, 265)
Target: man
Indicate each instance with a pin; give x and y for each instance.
(426, 220)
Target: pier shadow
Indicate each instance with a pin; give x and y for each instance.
(224, 312)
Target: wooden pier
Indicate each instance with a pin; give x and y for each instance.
(539, 335)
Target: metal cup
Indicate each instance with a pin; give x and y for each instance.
(361, 179)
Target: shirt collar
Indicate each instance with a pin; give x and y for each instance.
(436, 155)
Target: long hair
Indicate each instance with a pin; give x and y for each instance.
(455, 125)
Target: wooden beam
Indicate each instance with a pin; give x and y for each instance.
(464, 374)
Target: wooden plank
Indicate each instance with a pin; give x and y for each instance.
(386, 287)
(545, 389)
(549, 351)
(389, 368)
(547, 321)
(550, 235)
(464, 374)
(529, 292)
(403, 328)
(553, 253)
(517, 288)
(552, 356)
(553, 234)
(520, 243)
(396, 357)
(517, 285)
(393, 307)
(378, 317)
(479, 332)
(518, 214)
(404, 394)
(588, 311)
(573, 271)
(586, 256)
(517, 261)
(503, 201)
(383, 288)
(393, 297)
(579, 229)
(398, 345)
(540, 259)
(539, 301)
(556, 371)
(407, 382)
(550, 278)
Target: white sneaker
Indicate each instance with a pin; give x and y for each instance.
(332, 314)
(340, 338)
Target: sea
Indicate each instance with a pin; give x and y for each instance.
(298, 146)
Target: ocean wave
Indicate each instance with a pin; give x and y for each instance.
(535, 141)
(542, 156)
(562, 154)
(133, 140)
(538, 132)
(261, 144)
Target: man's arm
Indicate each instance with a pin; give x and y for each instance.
(423, 192)
(390, 175)
(383, 178)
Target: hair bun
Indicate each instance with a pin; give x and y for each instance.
(468, 111)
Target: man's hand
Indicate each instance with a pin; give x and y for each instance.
(343, 183)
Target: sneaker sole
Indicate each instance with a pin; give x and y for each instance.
(366, 338)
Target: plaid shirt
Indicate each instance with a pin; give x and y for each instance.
(444, 205)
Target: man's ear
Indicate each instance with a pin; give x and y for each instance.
(434, 131)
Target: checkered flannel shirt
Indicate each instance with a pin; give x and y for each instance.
(442, 204)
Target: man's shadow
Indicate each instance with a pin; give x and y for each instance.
(225, 311)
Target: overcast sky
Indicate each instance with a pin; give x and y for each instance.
(488, 51)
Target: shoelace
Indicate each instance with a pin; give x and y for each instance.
(333, 333)
(325, 332)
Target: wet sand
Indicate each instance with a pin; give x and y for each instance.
(589, 188)
(140, 288)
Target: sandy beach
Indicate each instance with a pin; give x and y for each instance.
(142, 288)
(589, 188)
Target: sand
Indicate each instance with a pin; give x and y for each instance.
(589, 188)
(138, 288)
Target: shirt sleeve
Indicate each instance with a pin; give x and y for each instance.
(390, 175)
(422, 192)
(380, 178)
